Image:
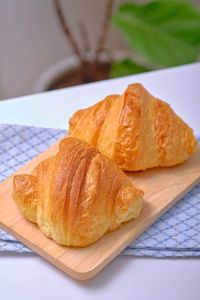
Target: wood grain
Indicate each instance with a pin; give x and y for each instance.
(163, 187)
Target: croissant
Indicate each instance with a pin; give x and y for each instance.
(136, 130)
(77, 195)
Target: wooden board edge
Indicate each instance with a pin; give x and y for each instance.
(103, 264)
(43, 254)
(88, 274)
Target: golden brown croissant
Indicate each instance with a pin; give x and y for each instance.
(77, 195)
(136, 130)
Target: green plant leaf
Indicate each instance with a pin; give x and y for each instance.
(125, 67)
(165, 33)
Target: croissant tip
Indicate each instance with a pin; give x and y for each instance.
(19, 180)
(136, 85)
(136, 88)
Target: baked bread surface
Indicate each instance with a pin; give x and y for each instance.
(136, 130)
(77, 195)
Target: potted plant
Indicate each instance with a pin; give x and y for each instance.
(161, 33)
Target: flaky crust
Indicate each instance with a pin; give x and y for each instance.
(136, 130)
(77, 195)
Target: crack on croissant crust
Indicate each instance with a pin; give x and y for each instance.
(136, 130)
(77, 195)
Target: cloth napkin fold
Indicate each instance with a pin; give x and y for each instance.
(175, 234)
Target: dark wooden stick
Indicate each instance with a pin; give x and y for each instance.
(66, 30)
(105, 27)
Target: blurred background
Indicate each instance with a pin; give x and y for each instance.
(32, 40)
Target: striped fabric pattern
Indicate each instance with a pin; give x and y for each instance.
(175, 234)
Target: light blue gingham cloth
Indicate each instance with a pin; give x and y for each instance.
(176, 233)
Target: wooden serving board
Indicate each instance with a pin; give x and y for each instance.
(163, 187)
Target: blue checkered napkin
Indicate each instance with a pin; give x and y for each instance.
(176, 233)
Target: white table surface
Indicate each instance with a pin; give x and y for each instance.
(31, 277)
